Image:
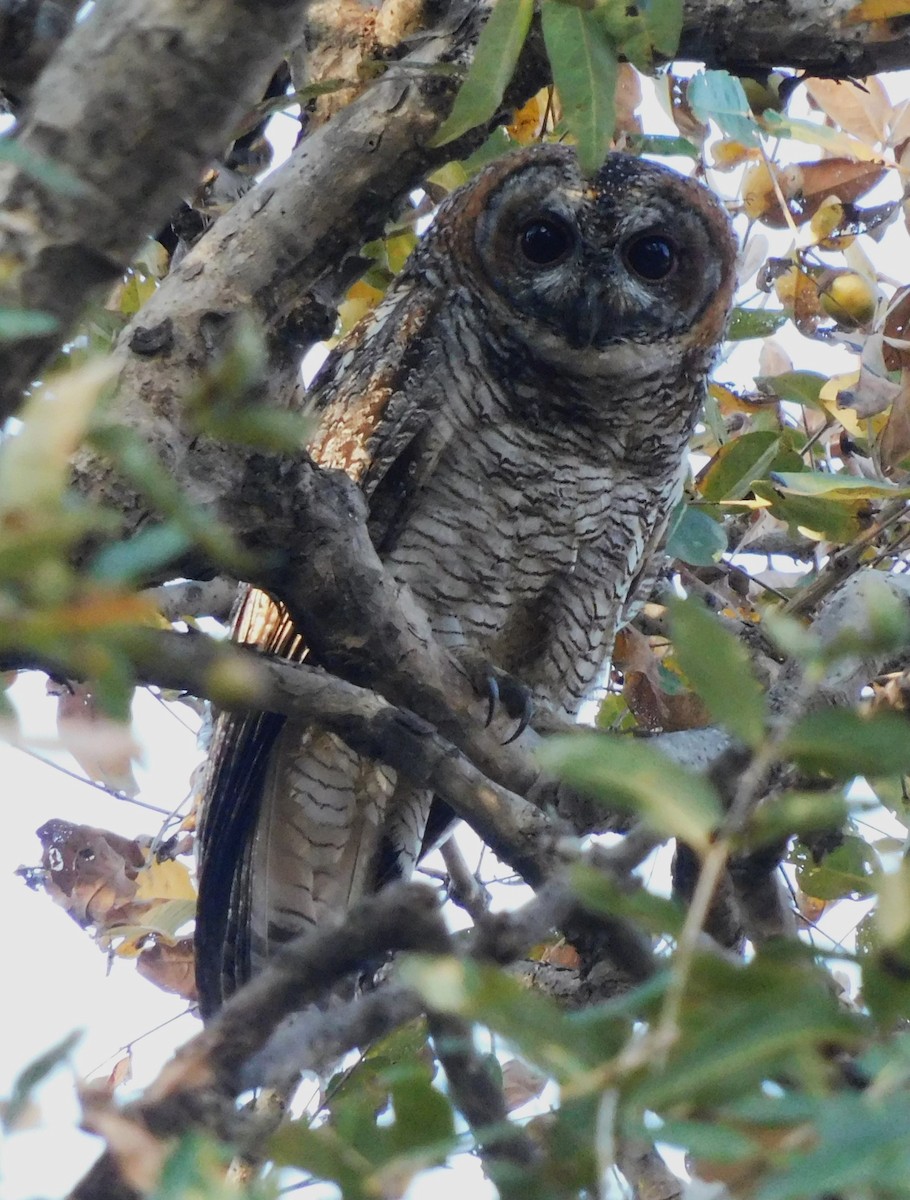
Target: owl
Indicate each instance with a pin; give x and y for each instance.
(516, 411)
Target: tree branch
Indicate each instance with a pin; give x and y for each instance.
(820, 39)
(194, 598)
(196, 1088)
(480, 1098)
(127, 112)
(30, 32)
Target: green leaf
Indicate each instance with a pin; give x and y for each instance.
(17, 323)
(135, 559)
(494, 63)
(754, 323)
(739, 463)
(719, 669)
(846, 871)
(585, 69)
(860, 1147)
(796, 812)
(839, 519)
(33, 1075)
(743, 1024)
(694, 537)
(630, 775)
(42, 170)
(842, 743)
(714, 1142)
(800, 387)
(839, 486)
(664, 19)
(534, 1024)
(423, 1115)
(269, 429)
(133, 458)
(891, 792)
(662, 145)
(601, 893)
(719, 96)
(196, 1167)
(325, 1153)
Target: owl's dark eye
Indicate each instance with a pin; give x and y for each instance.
(546, 241)
(651, 257)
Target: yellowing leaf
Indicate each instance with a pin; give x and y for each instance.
(846, 416)
(34, 464)
(877, 10)
(398, 246)
(814, 134)
(169, 880)
(361, 298)
(526, 122)
(730, 154)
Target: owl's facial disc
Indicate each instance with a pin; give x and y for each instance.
(636, 256)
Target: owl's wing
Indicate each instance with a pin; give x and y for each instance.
(371, 428)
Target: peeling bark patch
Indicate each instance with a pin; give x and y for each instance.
(154, 339)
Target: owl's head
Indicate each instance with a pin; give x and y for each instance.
(636, 257)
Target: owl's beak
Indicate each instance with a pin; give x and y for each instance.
(588, 315)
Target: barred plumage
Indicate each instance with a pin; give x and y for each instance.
(516, 411)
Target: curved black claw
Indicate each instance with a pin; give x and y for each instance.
(518, 702)
(524, 720)
(492, 697)
(499, 687)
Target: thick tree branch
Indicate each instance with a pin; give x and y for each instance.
(128, 110)
(513, 827)
(197, 1087)
(818, 37)
(30, 32)
(194, 598)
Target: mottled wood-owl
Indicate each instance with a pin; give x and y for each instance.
(516, 411)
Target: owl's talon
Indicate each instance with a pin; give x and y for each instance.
(523, 722)
(515, 697)
(492, 698)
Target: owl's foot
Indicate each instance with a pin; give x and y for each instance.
(499, 688)
(514, 696)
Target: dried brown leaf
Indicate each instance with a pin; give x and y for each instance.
(103, 748)
(520, 1083)
(170, 967)
(896, 347)
(90, 872)
(805, 187)
(627, 98)
(140, 1156)
(858, 107)
(122, 1072)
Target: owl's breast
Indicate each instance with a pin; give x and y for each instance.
(497, 526)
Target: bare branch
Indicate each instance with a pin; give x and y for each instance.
(464, 886)
(479, 1096)
(820, 39)
(647, 1172)
(194, 598)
